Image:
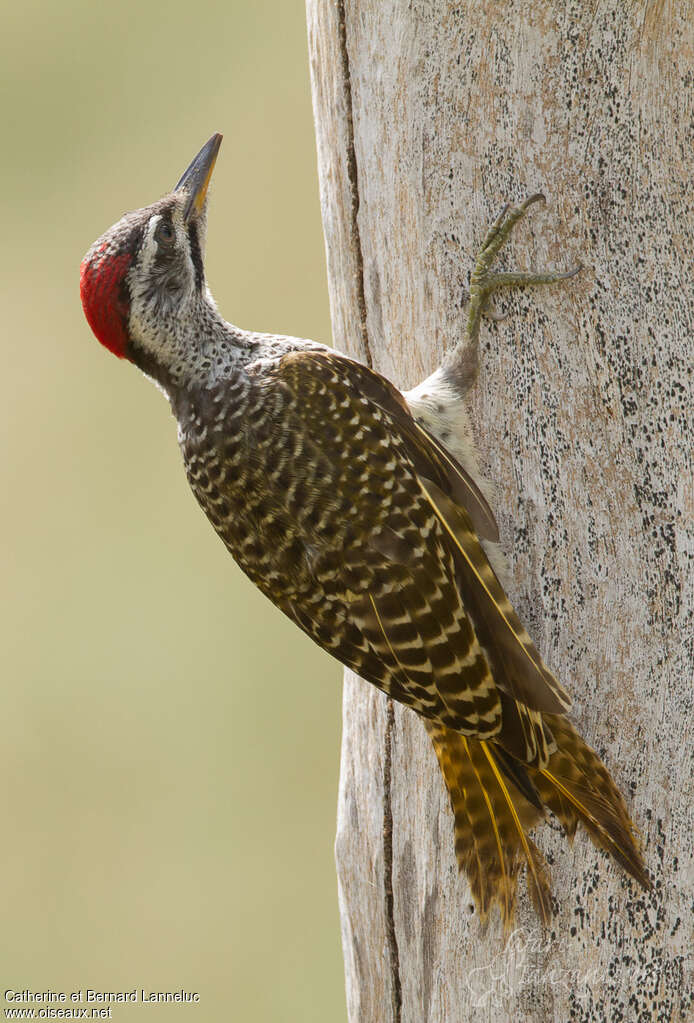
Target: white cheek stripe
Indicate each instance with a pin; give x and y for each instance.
(149, 246)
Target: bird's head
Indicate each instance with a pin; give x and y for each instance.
(143, 283)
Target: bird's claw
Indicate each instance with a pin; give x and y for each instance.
(483, 283)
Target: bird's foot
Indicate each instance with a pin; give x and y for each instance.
(483, 283)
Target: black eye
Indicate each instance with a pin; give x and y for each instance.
(164, 233)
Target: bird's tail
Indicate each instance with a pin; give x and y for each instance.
(493, 814)
(576, 786)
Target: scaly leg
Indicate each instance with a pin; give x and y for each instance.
(483, 283)
(436, 403)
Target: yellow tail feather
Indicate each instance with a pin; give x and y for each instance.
(492, 817)
(577, 786)
(505, 909)
(491, 820)
(541, 892)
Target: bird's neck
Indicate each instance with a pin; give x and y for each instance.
(194, 353)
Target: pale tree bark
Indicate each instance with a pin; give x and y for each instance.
(429, 116)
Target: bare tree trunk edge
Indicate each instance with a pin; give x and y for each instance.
(428, 117)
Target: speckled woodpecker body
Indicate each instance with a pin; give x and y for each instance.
(359, 512)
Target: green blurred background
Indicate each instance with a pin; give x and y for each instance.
(170, 743)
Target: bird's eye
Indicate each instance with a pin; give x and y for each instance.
(164, 234)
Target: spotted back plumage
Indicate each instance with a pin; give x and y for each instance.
(329, 505)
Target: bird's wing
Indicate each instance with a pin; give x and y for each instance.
(416, 581)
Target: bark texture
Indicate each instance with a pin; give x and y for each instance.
(429, 116)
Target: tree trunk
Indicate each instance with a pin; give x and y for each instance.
(429, 116)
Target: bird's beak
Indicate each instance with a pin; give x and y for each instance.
(196, 178)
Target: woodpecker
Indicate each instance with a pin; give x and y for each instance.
(361, 513)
